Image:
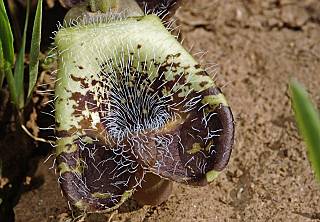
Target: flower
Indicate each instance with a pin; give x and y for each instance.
(131, 101)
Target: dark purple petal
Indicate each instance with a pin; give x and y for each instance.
(185, 151)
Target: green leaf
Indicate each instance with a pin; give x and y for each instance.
(308, 121)
(11, 84)
(2, 74)
(19, 66)
(35, 49)
(6, 52)
(6, 37)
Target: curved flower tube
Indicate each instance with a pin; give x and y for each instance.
(131, 100)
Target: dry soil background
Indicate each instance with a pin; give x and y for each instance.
(258, 45)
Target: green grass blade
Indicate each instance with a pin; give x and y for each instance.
(308, 121)
(7, 52)
(19, 66)
(35, 49)
(6, 37)
(11, 84)
(2, 74)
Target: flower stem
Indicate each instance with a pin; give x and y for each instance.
(102, 5)
(103, 8)
(93, 5)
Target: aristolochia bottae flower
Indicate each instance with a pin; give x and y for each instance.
(131, 100)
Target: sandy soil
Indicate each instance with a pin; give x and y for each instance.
(258, 45)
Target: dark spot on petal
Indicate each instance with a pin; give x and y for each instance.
(203, 84)
(94, 82)
(81, 80)
(198, 66)
(66, 133)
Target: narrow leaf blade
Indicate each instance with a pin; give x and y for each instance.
(11, 84)
(19, 76)
(1, 66)
(6, 36)
(308, 121)
(35, 49)
(19, 66)
(7, 59)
